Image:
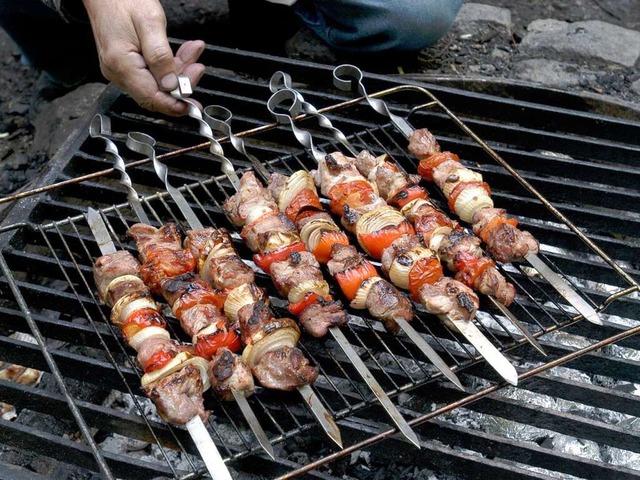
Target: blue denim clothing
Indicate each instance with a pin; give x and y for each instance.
(369, 26)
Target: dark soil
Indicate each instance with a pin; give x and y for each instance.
(20, 161)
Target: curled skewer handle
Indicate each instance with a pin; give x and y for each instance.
(181, 93)
(277, 103)
(281, 80)
(219, 119)
(100, 127)
(145, 144)
(349, 78)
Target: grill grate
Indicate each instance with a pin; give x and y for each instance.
(47, 279)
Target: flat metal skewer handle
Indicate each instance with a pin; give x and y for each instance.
(100, 127)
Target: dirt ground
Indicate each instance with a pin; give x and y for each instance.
(20, 163)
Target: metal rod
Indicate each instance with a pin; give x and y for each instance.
(493, 356)
(181, 93)
(349, 78)
(223, 123)
(196, 428)
(280, 81)
(460, 403)
(145, 144)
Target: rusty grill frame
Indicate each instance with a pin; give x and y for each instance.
(66, 244)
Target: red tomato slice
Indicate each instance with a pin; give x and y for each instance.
(305, 199)
(208, 345)
(264, 260)
(158, 360)
(429, 164)
(328, 239)
(143, 318)
(309, 299)
(355, 193)
(407, 195)
(351, 279)
(375, 243)
(426, 270)
(470, 269)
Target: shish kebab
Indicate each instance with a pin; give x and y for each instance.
(364, 213)
(194, 303)
(296, 197)
(174, 379)
(278, 252)
(269, 343)
(457, 248)
(349, 78)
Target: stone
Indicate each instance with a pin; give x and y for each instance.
(547, 72)
(593, 42)
(480, 22)
(635, 86)
(55, 123)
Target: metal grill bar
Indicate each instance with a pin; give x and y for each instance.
(49, 258)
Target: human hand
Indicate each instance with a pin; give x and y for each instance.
(135, 54)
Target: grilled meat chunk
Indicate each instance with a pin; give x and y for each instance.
(250, 203)
(269, 233)
(227, 372)
(423, 144)
(161, 253)
(285, 368)
(121, 266)
(317, 318)
(449, 297)
(299, 267)
(506, 242)
(178, 396)
(386, 303)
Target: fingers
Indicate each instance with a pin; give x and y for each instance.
(155, 48)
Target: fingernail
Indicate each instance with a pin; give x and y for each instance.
(169, 82)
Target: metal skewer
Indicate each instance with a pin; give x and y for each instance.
(195, 426)
(182, 93)
(349, 78)
(280, 81)
(144, 144)
(219, 118)
(493, 356)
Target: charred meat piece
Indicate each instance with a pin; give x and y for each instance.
(504, 240)
(285, 368)
(386, 303)
(449, 297)
(250, 203)
(178, 396)
(254, 319)
(161, 253)
(317, 318)
(227, 372)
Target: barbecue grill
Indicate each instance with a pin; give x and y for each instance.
(88, 416)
